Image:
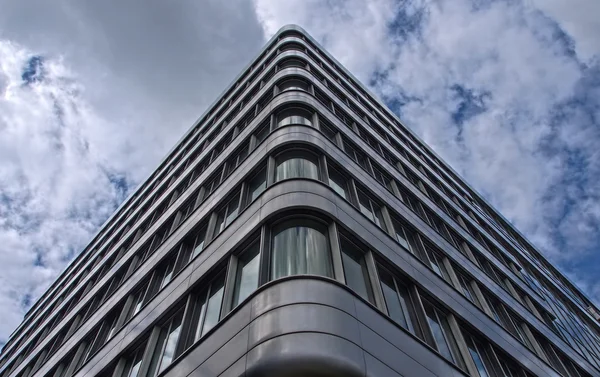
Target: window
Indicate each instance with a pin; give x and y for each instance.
(443, 340)
(383, 178)
(300, 247)
(199, 242)
(328, 130)
(137, 301)
(397, 300)
(256, 185)
(495, 308)
(134, 362)
(519, 332)
(208, 307)
(297, 63)
(211, 185)
(355, 269)
(237, 159)
(402, 234)
(294, 116)
(262, 133)
(246, 280)
(370, 208)
(436, 262)
(228, 213)
(166, 346)
(293, 84)
(106, 331)
(480, 356)
(296, 165)
(357, 156)
(466, 288)
(338, 182)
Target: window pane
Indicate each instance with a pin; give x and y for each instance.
(365, 206)
(393, 301)
(478, 361)
(355, 270)
(247, 275)
(213, 309)
(293, 84)
(199, 243)
(437, 263)
(137, 302)
(296, 167)
(170, 342)
(338, 182)
(168, 274)
(401, 235)
(437, 331)
(262, 133)
(294, 116)
(257, 185)
(481, 357)
(465, 287)
(300, 250)
(136, 363)
(227, 214)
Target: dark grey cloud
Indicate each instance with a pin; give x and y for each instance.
(92, 96)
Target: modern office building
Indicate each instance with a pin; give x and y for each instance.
(300, 229)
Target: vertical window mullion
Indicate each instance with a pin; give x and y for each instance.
(336, 256)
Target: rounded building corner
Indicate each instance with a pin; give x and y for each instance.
(306, 355)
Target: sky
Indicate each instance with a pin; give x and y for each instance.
(94, 94)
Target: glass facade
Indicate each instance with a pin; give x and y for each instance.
(299, 203)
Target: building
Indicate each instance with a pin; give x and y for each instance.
(299, 229)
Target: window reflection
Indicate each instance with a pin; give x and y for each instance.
(247, 274)
(167, 343)
(397, 300)
(440, 330)
(208, 307)
(257, 185)
(227, 214)
(355, 269)
(338, 182)
(370, 208)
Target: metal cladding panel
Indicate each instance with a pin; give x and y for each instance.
(307, 326)
(306, 355)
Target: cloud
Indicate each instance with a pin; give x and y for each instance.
(92, 96)
(505, 92)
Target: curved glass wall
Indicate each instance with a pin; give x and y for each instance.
(292, 63)
(293, 84)
(300, 247)
(294, 116)
(296, 165)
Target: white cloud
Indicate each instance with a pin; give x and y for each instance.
(579, 19)
(516, 66)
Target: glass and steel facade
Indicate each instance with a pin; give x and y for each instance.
(300, 229)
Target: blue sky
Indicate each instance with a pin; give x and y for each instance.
(92, 96)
